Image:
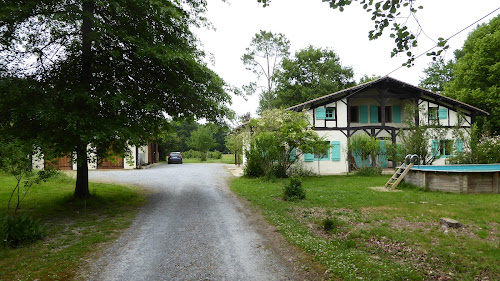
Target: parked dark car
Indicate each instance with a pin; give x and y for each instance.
(175, 157)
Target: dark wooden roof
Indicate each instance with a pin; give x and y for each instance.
(394, 86)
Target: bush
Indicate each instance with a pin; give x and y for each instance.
(253, 167)
(17, 231)
(277, 171)
(214, 154)
(190, 154)
(299, 170)
(331, 224)
(294, 191)
(486, 151)
(369, 171)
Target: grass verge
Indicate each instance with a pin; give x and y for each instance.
(384, 235)
(76, 229)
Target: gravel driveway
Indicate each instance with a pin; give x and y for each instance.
(191, 229)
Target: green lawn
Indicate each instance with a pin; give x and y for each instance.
(76, 229)
(385, 235)
(226, 159)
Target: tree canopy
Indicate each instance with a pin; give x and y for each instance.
(263, 58)
(311, 73)
(476, 74)
(437, 75)
(203, 139)
(98, 75)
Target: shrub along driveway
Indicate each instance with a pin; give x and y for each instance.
(192, 228)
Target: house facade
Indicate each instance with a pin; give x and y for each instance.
(138, 157)
(378, 109)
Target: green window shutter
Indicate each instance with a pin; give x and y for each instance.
(443, 113)
(293, 155)
(435, 147)
(459, 145)
(320, 113)
(396, 113)
(308, 157)
(335, 150)
(373, 114)
(363, 114)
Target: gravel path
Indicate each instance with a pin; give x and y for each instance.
(191, 229)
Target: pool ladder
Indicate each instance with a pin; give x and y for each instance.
(402, 171)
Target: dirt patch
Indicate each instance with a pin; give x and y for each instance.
(402, 253)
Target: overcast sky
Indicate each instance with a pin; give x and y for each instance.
(312, 22)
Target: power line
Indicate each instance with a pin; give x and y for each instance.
(462, 30)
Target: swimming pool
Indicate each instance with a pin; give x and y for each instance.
(482, 178)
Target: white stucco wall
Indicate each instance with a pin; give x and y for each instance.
(330, 167)
(37, 162)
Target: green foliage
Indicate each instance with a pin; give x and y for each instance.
(168, 140)
(365, 79)
(104, 74)
(190, 154)
(263, 58)
(415, 138)
(437, 75)
(15, 160)
(203, 140)
(254, 167)
(486, 151)
(369, 171)
(311, 73)
(476, 74)
(278, 138)
(366, 147)
(293, 190)
(331, 224)
(20, 231)
(193, 154)
(234, 142)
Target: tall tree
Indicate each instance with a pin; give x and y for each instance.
(476, 74)
(263, 58)
(437, 75)
(203, 139)
(105, 73)
(311, 73)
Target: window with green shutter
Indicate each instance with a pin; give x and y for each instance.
(373, 114)
(435, 148)
(308, 157)
(396, 113)
(335, 150)
(363, 114)
(323, 157)
(320, 113)
(293, 154)
(443, 113)
(459, 146)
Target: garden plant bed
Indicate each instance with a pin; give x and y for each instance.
(385, 235)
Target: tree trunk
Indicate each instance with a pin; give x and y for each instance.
(82, 174)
